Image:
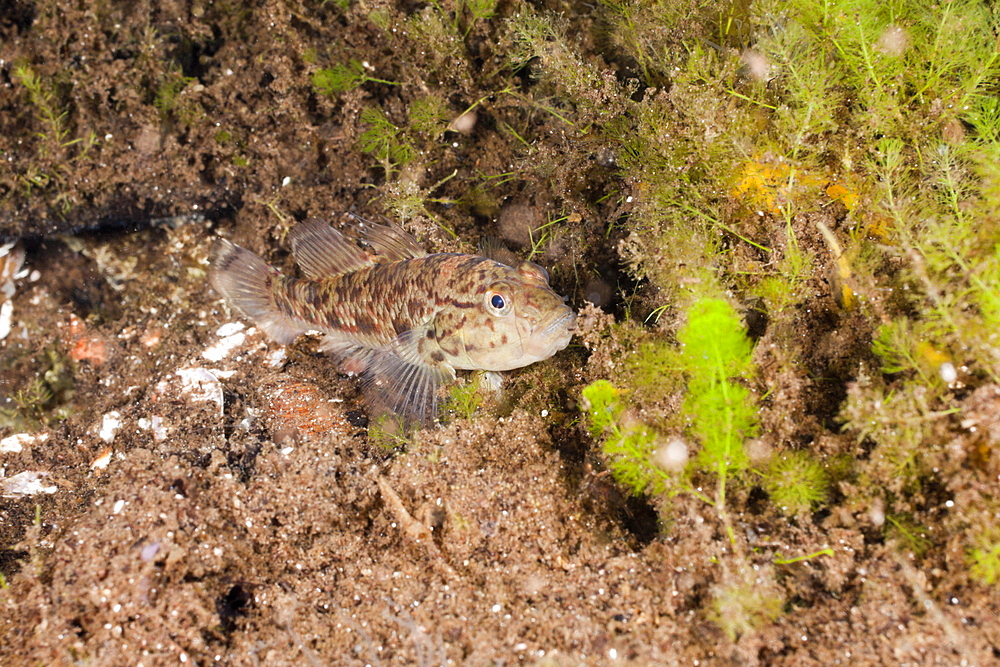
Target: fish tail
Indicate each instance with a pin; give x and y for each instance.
(247, 283)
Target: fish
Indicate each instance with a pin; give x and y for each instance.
(403, 319)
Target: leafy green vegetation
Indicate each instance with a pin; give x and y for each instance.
(720, 413)
(630, 447)
(55, 148)
(464, 399)
(743, 605)
(168, 97)
(837, 158)
(385, 141)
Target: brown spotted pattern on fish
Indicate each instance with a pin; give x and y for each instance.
(404, 319)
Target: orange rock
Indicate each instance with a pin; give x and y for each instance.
(91, 349)
(300, 405)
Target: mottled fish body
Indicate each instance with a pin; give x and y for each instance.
(403, 319)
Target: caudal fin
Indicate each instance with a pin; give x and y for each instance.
(245, 280)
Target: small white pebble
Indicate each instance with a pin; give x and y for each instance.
(947, 372)
(673, 455)
(119, 504)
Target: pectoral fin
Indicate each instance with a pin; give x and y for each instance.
(400, 381)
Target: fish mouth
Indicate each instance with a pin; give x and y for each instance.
(567, 323)
(552, 337)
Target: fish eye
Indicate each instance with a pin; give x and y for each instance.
(497, 303)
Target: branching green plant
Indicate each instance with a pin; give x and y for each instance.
(743, 604)
(43, 98)
(782, 288)
(908, 534)
(429, 115)
(55, 150)
(595, 95)
(477, 10)
(541, 237)
(657, 34)
(46, 398)
(629, 446)
(384, 140)
(721, 412)
(464, 399)
(408, 200)
(341, 78)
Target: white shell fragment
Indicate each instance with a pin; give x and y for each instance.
(102, 460)
(229, 329)
(13, 444)
(275, 358)
(11, 260)
(224, 347)
(200, 384)
(110, 424)
(6, 315)
(27, 483)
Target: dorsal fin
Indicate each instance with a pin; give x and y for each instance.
(494, 249)
(321, 251)
(390, 241)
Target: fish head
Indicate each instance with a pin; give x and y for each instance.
(517, 321)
